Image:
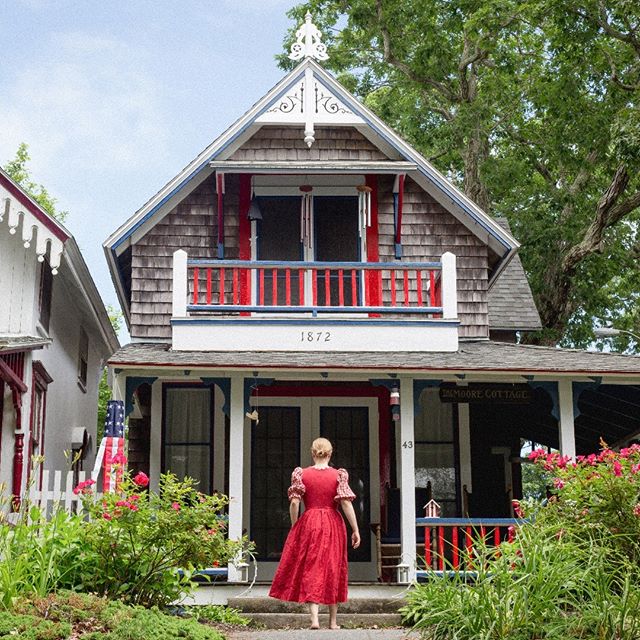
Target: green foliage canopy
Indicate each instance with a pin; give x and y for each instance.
(18, 171)
(532, 109)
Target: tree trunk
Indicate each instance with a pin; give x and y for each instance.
(475, 152)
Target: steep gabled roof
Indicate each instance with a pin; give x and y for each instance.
(341, 108)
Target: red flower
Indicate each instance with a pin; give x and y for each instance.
(636, 510)
(122, 503)
(133, 507)
(134, 498)
(106, 516)
(119, 458)
(558, 483)
(141, 479)
(175, 506)
(617, 468)
(216, 563)
(84, 487)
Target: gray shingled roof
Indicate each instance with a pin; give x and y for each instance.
(511, 305)
(470, 357)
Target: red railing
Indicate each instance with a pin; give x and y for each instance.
(453, 543)
(370, 287)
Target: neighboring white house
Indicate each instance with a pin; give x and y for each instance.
(55, 336)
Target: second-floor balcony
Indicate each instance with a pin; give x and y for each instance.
(222, 305)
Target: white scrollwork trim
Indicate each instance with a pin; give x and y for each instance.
(308, 42)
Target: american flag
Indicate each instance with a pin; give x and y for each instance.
(113, 443)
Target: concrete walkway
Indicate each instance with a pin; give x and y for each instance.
(324, 634)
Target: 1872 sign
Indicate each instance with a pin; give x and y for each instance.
(488, 394)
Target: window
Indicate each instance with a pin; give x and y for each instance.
(83, 359)
(435, 451)
(46, 287)
(41, 380)
(188, 433)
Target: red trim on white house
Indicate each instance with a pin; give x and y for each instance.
(33, 208)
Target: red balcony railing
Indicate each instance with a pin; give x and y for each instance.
(453, 543)
(316, 287)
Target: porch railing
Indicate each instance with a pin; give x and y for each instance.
(452, 543)
(375, 288)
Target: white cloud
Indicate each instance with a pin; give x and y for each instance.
(92, 100)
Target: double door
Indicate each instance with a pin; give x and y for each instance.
(282, 441)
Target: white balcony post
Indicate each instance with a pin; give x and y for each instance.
(566, 426)
(179, 309)
(449, 286)
(236, 477)
(407, 480)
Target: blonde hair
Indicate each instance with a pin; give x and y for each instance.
(321, 448)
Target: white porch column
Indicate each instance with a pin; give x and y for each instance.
(236, 456)
(180, 286)
(449, 286)
(155, 437)
(567, 430)
(407, 478)
(464, 437)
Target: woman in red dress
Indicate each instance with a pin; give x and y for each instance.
(313, 567)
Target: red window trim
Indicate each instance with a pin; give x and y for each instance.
(40, 382)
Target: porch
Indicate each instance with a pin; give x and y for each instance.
(447, 426)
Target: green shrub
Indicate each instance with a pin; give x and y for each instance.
(571, 572)
(37, 555)
(143, 547)
(92, 618)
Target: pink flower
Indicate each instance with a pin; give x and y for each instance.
(617, 468)
(558, 483)
(212, 532)
(119, 458)
(635, 469)
(141, 479)
(84, 487)
(538, 453)
(636, 510)
(133, 507)
(122, 503)
(106, 516)
(175, 506)
(134, 498)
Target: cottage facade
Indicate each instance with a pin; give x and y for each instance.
(312, 274)
(55, 337)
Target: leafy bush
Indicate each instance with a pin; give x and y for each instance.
(81, 615)
(571, 572)
(37, 554)
(143, 547)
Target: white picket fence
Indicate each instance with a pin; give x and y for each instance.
(57, 491)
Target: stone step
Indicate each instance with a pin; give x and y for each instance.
(354, 606)
(346, 620)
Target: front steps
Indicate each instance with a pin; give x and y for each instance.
(360, 612)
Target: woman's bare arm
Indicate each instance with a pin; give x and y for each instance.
(294, 510)
(350, 514)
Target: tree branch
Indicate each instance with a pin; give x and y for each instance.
(403, 67)
(608, 212)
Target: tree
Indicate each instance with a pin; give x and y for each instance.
(533, 109)
(18, 171)
(104, 390)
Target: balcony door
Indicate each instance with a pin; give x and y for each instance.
(282, 440)
(333, 235)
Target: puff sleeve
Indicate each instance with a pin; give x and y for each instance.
(296, 490)
(344, 490)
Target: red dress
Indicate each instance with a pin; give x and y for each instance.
(313, 566)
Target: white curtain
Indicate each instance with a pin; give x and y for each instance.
(188, 433)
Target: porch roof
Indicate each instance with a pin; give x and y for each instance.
(479, 356)
(313, 166)
(21, 342)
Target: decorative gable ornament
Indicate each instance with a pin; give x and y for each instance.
(308, 42)
(309, 101)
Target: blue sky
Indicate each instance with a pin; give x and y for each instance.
(115, 97)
